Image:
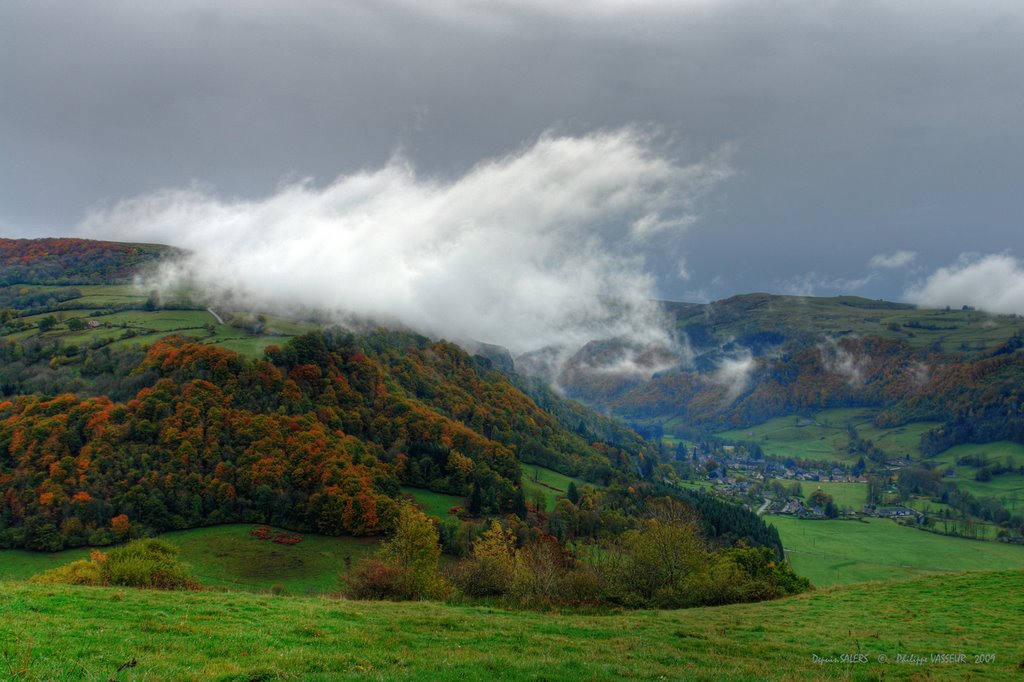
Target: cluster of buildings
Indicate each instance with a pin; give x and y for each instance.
(741, 477)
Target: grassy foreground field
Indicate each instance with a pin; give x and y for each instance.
(841, 552)
(77, 633)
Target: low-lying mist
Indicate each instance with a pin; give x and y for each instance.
(541, 248)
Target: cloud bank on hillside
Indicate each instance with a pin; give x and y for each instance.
(541, 247)
(994, 283)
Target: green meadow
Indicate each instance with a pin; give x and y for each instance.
(695, 485)
(52, 632)
(124, 321)
(539, 482)
(230, 557)
(21, 564)
(794, 436)
(1008, 488)
(843, 551)
(845, 495)
(435, 504)
(251, 346)
(825, 437)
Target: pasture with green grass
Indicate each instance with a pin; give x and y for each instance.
(927, 506)
(840, 552)
(1007, 488)
(845, 495)
(125, 318)
(89, 633)
(899, 441)
(435, 504)
(21, 564)
(230, 557)
(825, 436)
(251, 346)
(550, 485)
(538, 483)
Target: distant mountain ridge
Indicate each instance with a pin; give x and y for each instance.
(757, 356)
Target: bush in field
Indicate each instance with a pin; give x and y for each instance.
(140, 563)
(665, 563)
(540, 573)
(407, 564)
(764, 576)
(548, 575)
(662, 562)
(492, 568)
(376, 579)
(81, 572)
(146, 563)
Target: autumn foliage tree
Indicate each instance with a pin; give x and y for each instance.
(406, 566)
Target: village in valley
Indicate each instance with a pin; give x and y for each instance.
(811, 489)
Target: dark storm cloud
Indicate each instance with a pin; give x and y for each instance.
(860, 128)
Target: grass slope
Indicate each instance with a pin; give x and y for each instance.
(433, 503)
(69, 633)
(1008, 488)
(540, 482)
(840, 552)
(845, 495)
(21, 564)
(825, 436)
(228, 557)
(146, 326)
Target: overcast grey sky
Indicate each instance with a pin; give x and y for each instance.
(859, 146)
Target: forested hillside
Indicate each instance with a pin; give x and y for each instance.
(74, 261)
(317, 436)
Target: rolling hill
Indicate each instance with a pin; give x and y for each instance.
(956, 626)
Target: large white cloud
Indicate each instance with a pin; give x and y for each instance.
(539, 247)
(994, 282)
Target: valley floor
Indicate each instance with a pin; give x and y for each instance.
(838, 552)
(891, 630)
